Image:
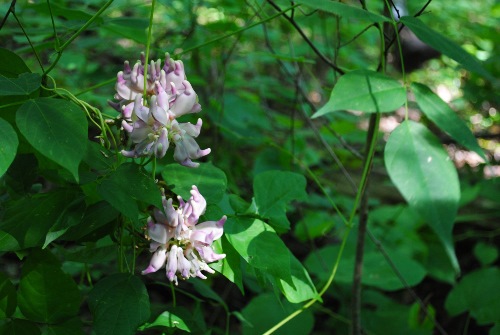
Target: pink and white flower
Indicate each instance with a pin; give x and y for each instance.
(179, 242)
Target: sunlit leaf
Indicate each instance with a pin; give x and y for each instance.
(169, 320)
(365, 91)
(445, 45)
(302, 287)
(56, 128)
(426, 177)
(344, 10)
(445, 118)
(119, 304)
(8, 149)
(260, 246)
(40, 288)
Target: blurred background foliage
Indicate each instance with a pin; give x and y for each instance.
(258, 88)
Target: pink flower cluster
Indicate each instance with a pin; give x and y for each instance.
(151, 121)
(179, 242)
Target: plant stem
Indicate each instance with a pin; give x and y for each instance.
(75, 35)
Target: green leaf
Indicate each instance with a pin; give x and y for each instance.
(302, 287)
(230, 266)
(365, 91)
(260, 246)
(445, 46)
(8, 149)
(8, 298)
(40, 288)
(265, 311)
(376, 270)
(477, 293)
(19, 327)
(344, 10)
(119, 304)
(445, 118)
(426, 177)
(11, 65)
(71, 327)
(128, 185)
(210, 180)
(486, 253)
(25, 84)
(56, 128)
(169, 320)
(20, 215)
(71, 216)
(273, 190)
(96, 223)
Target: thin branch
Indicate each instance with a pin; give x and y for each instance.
(12, 9)
(308, 41)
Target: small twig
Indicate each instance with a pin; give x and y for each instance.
(12, 9)
(308, 41)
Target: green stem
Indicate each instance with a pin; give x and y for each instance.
(75, 35)
(53, 25)
(148, 44)
(29, 41)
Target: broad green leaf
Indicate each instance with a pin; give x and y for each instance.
(19, 327)
(210, 180)
(128, 185)
(8, 147)
(365, 91)
(273, 190)
(8, 298)
(25, 84)
(70, 216)
(377, 272)
(445, 118)
(230, 266)
(119, 304)
(486, 253)
(382, 315)
(445, 45)
(344, 10)
(260, 246)
(41, 287)
(20, 217)
(90, 254)
(11, 65)
(477, 293)
(96, 223)
(169, 320)
(314, 224)
(426, 177)
(303, 288)
(73, 326)
(56, 128)
(265, 311)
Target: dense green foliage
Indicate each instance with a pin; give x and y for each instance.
(359, 178)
